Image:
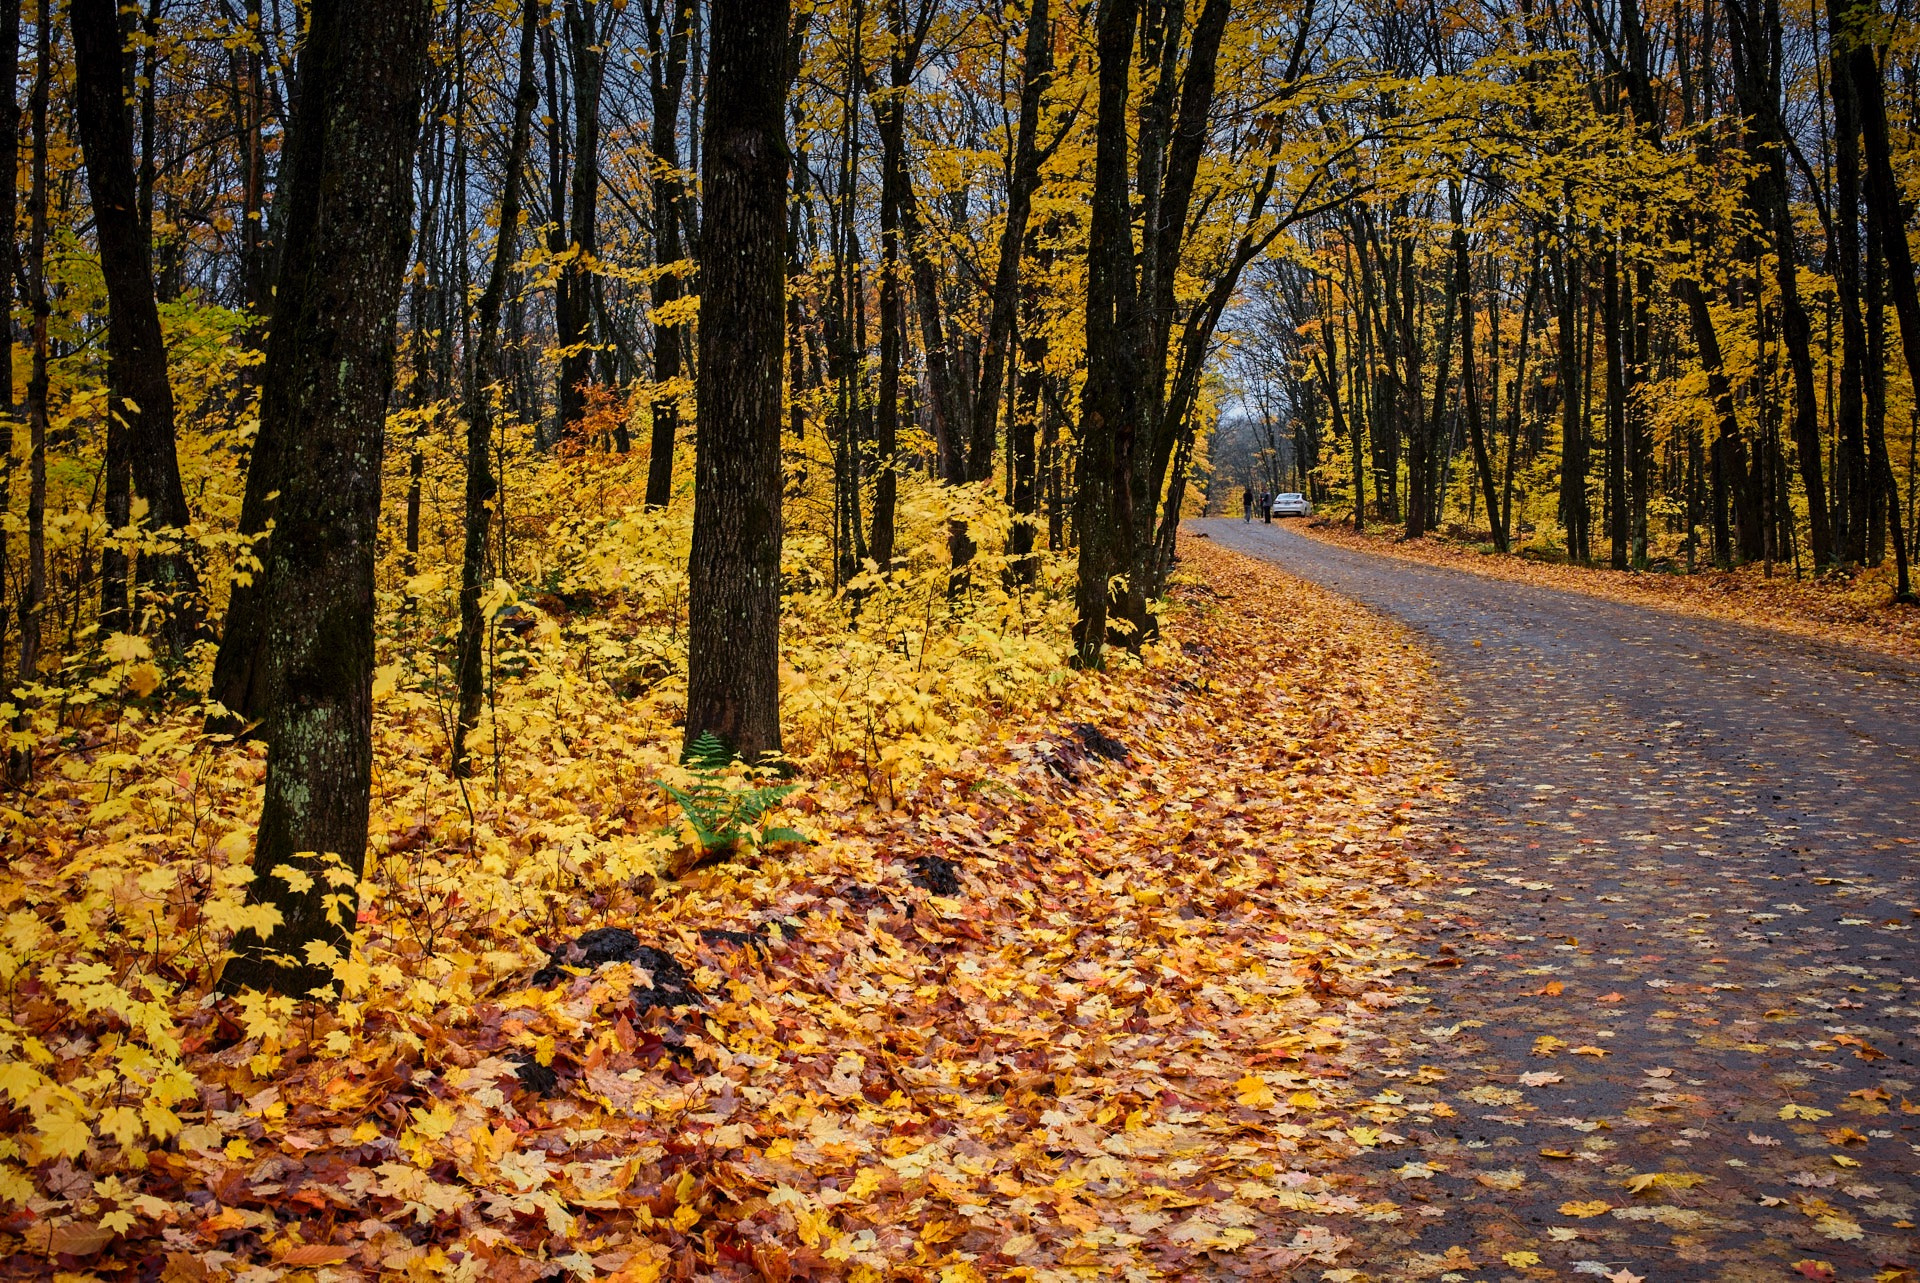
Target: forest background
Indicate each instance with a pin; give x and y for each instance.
(1625, 284)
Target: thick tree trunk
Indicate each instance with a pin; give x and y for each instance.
(482, 361)
(328, 376)
(733, 608)
(667, 78)
(139, 393)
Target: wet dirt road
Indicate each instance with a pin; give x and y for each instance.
(1673, 1026)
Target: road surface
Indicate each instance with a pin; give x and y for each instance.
(1694, 847)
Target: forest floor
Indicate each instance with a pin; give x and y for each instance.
(1679, 1038)
(1087, 1004)
(1858, 610)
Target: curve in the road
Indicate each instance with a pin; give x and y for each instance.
(1687, 999)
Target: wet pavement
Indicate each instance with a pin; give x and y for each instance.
(1670, 1028)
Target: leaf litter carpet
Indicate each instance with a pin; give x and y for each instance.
(1085, 1006)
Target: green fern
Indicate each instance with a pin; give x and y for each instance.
(721, 814)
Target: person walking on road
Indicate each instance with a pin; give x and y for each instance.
(1266, 507)
(1246, 504)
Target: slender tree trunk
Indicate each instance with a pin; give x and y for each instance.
(9, 266)
(1573, 446)
(328, 376)
(733, 608)
(1854, 479)
(1022, 177)
(1889, 218)
(1103, 512)
(1470, 390)
(1614, 323)
(482, 362)
(893, 336)
(34, 597)
(576, 363)
(666, 78)
(139, 393)
(1024, 428)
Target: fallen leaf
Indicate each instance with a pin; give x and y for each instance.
(1585, 1210)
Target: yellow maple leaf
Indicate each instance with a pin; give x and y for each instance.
(1520, 1260)
(1584, 1210)
(63, 1135)
(1804, 1111)
(1254, 1093)
(1662, 1180)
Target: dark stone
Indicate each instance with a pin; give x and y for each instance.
(754, 941)
(937, 874)
(672, 986)
(864, 897)
(533, 1075)
(1099, 743)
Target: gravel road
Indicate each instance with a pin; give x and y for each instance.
(1677, 985)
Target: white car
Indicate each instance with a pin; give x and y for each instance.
(1292, 505)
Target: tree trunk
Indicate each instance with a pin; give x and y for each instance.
(1889, 218)
(733, 607)
(1574, 513)
(1469, 387)
(1755, 45)
(576, 362)
(1103, 513)
(1614, 324)
(329, 373)
(33, 599)
(1853, 481)
(1022, 177)
(893, 337)
(9, 265)
(482, 361)
(666, 79)
(138, 391)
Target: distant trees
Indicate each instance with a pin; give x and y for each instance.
(1636, 237)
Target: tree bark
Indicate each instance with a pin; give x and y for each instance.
(9, 264)
(1022, 177)
(576, 362)
(1889, 217)
(329, 373)
(733, 608)
(1103, 511)
(138, 391)
(666, 79)
(1756, 59)
(1469, 386)
(1853, 482)
(33, 598)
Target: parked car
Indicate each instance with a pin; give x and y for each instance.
(1292, 505)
